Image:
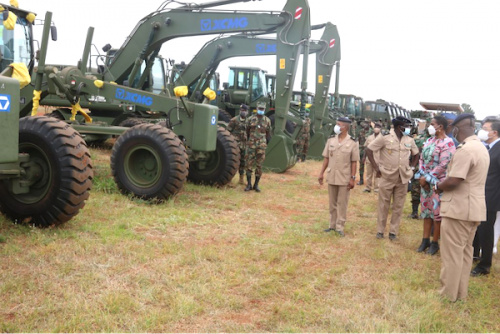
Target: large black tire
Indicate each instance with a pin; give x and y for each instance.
(224, 116)
(60, 169)
(221, 165)
(289, 126)
(149, 162)
(131, 121)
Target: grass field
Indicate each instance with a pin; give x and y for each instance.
(222, 260)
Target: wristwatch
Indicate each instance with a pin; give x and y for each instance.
(353, 177)
(412, 167)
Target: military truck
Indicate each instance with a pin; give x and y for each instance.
(45, 166)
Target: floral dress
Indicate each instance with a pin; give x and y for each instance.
(434, 159)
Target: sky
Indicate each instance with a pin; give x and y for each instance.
(405, 52)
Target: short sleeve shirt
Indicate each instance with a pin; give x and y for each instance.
(340, 156)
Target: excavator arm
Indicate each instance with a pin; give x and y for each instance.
(160, 26)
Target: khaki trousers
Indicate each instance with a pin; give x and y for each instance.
(456, 256)
(396, 191)
(370, 176)
(339, 197)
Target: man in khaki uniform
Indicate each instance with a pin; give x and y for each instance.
(463, 206)
(395, 172)
(370, 172)
(341, 154)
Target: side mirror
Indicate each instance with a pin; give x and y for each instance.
(53, 33)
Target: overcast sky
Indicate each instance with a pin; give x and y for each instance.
(406, 52)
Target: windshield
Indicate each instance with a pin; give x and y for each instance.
(15, 46)
(258, 85)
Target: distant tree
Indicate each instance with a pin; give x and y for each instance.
(467, 108)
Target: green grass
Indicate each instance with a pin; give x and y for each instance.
(222, 260)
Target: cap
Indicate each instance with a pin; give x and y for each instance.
(244, 107)
(461, 117)
(344, 119)
(449, 116)
(401, 121)
(261, 106)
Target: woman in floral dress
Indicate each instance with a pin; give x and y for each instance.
(436, 154)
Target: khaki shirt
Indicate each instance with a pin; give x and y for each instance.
(394, 163)
(470, 162)
(376, 155)
(340, 156)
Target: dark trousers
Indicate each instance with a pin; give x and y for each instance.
(483, 241)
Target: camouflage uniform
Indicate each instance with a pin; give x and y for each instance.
(303, 139)
(363, 133)
(238, 128)
(415, 183)
(258, 131)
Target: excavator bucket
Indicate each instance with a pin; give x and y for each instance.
(325, 60)
(280, 153)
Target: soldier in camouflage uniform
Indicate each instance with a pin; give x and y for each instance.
(363, 133)
(238, 128)
(258, 133)
(414, 183)
(303, 138)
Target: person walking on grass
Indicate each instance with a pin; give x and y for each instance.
(484, 240)
(341, 154)
(258, 134)
(434, 159)
(463, 206)
(238, 128)
(394, 170)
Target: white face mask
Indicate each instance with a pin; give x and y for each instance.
(336, 129)
(406, 131)
(432, 130)
(483, 135)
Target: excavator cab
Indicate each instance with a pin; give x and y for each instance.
(246, 85)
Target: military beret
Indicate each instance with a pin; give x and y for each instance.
(401, 120)
(449, 116)
(344, 119)
(244, 107)
(461, 117)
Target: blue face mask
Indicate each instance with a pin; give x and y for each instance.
(260, 112)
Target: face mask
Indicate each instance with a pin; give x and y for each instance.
(483, 135)
(406, 131)
(432, 130)
(336, 129)
(376, 130)
(260, 112)
(243, 114)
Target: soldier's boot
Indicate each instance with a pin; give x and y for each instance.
(360, 180)
(256, 184)
(242, 179)
(249, 182)
(414, 213)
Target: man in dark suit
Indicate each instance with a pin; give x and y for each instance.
(483, 241)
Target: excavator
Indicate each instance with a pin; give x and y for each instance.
(131, 69)
(45, 167)
(249, 85)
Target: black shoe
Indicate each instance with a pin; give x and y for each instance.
(414, 215)
(392, 236)
(256, 184)
(479, 272)
(434, 248)
(329, 229)
(476, 259)
(424, 245)
(249, 183)
(380, 235)
(341, 233)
